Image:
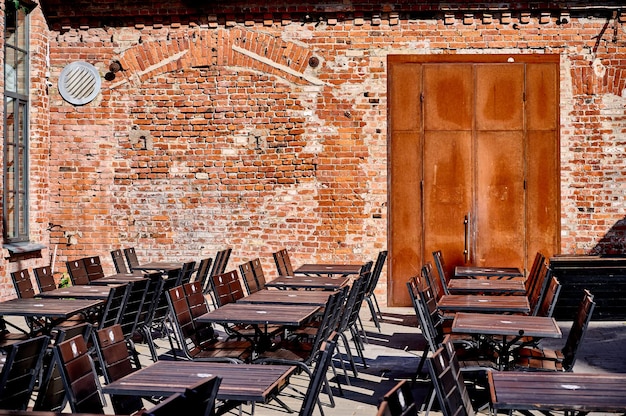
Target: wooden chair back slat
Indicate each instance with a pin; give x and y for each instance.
(247, 274)
(20, 372)
(119, 261)
(133, 305)
(578, 330)
(77, 271)
(550, 297)
(283, 263)
(400, 400)
(93, 266)
(220, 262)
(44, 278)
(79, 376)
(227, 287)
(22, 284)
(204, 268)
(131, 258)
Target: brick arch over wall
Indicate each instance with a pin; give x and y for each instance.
(236, 47)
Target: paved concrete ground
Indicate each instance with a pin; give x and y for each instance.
(393, 355)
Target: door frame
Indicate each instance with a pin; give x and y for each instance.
(404, 122)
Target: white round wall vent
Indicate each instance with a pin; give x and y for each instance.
(79, 83)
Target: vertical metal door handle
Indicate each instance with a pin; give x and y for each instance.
(466, 252)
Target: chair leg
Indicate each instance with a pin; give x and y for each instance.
(359, 347)
(377, 307)
(420, 365)
(151, 345)
(350, 357)
(332, 366)
(373, 312)
(365, 340)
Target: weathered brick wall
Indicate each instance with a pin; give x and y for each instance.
(222, 131)
(39, 154)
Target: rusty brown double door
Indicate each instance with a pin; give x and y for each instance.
(473, 161)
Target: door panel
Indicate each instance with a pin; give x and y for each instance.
(405, 97)
(449, 96)
(542, 107)
(476, 134)
(405, 226)
(499, 214)
(447, 192)
(543, 199)
(499, 95)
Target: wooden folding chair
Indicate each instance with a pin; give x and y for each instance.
(400, 400)
(283, 263)
(249, 279)
(93, 266)
(77, 271)
(449, 384)
(323, 360)
(545, 359)
(197, 400)
(370, 296)
(79, 376)
(115, 362)
(200, 345)
(20, 372)
(44, 278)
(131, 258)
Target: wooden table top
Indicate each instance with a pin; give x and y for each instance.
(290, 297)
(473, 271)
(47, 307)
(240, 382)
(117, 279)
(309, 282)
(329, 269)
(260, 314)
(484, 304)
(157, 266)
(486, 286)
(558, 391)
(507, 325)
(79, 292)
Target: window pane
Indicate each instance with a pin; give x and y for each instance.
(16, 122)
(11, 25)
(22, 41)
(10, 72)
(21, 69)
(22, 166)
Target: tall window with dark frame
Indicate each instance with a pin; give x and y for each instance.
(16, 77)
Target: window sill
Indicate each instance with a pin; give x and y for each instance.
(22, 248)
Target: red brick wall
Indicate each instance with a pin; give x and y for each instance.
(219, 133)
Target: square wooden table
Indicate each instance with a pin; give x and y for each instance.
(52, 309)
(486, 287)
(117, 279)
(484, 304)
(497, 272)
(159, 266)
(504, 332)
(79, 292)
(323, 269)
(260, 316)
(240, 382)
(289, 297)
(516, 390)
(309, 282)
